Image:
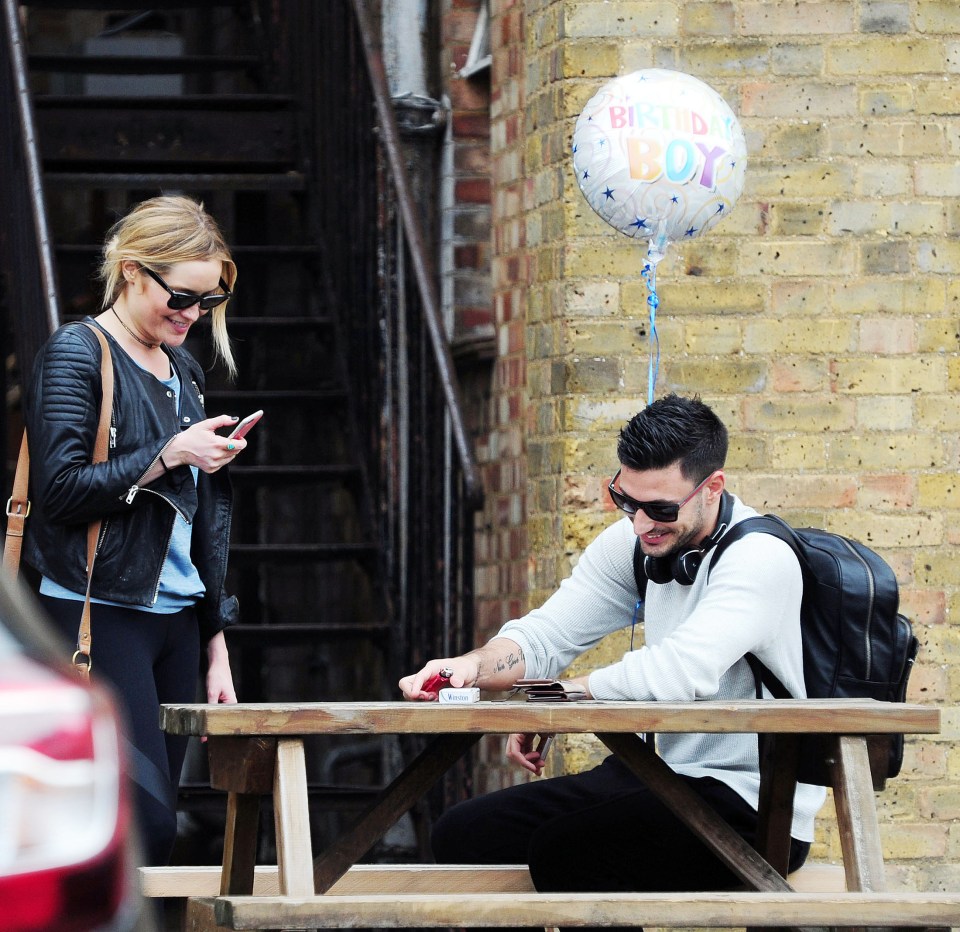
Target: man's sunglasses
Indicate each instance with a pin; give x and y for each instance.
(181, 300)
(664, 512)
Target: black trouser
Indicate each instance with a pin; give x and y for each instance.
(149, 659)
(598, 831)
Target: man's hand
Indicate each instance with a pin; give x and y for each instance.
(496, 666)
(462, 672)
(528, 751)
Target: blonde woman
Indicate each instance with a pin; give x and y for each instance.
(163, 494)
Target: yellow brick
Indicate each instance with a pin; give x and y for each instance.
(871, 452)
(939, 491)
(800, 413)
(709, 18)
(937, 569)
(887, 530)
(883, 295)
(795, 257)
(937, 97)
(883, 55)
(802, 180)
(891, 375)
(609, 258)
(733, 57)
(938, 335)
(611, 338)
(953, 375)
(885, 412)
(699, 296)
(914, 841)
(938, 16)
(798, 453)
(805, 17)
(706, 374)
(797, 335)
(798, 374)
(772, 493)
(793, 298)
(938, 412)
(712, 335)
(589, 59)
(796, 219)
(625, 18)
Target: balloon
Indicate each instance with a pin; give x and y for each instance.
(660, 156)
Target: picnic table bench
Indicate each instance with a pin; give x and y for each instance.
(257, 749)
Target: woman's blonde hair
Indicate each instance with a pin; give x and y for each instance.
(159, 233)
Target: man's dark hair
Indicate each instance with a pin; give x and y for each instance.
(674, 429)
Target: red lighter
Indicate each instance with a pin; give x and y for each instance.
(438, 681)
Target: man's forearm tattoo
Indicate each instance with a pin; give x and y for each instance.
(510, 661)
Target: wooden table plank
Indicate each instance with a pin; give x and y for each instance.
(539, 910)
(823, 716)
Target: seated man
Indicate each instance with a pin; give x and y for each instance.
(602, 830)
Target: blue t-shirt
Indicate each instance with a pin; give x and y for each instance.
(180, 583)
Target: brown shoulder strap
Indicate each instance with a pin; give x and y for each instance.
(18, 508)
(100, 449)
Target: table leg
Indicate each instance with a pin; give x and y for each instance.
(244, 768)
(857, 815)
(291, 814)
(408, 787)
(778, 780)
(743, 860)
(240, 843)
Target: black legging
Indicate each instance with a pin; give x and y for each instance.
(598, 831)
(149, 659)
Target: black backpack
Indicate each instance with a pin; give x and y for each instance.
(856, 644)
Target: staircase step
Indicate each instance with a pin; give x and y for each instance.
(166, 103)
(262, 399)
(271, 322)
(126, 4)
(62, 63)
(313, 553)
(177, 181)
(285, 633)
(176, 131)
(249, 252)
(292, 474)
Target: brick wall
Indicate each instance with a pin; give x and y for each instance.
(821, 318)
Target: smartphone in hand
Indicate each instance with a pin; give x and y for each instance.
(245, 426)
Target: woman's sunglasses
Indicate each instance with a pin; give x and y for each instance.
(664, 512)
(181, 300)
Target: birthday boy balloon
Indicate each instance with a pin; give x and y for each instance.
(660, 156)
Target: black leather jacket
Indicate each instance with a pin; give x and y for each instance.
(67, 492)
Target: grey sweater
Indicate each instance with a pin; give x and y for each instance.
(695, 640)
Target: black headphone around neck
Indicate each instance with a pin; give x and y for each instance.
(682, 567)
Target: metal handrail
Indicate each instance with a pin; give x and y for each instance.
(422, 265)
(24, 110)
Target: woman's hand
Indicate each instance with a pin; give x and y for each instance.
(200, 445)
(219, 676)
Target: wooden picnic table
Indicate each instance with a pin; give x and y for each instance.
(257, 749)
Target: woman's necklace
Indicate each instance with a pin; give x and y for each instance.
(125, 327)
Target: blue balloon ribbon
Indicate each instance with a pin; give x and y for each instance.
(658, 244)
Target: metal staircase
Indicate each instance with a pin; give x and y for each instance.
(227, 102)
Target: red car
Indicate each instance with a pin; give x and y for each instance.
(67, 845)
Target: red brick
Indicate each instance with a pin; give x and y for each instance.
(476, 125)
(472, 191)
